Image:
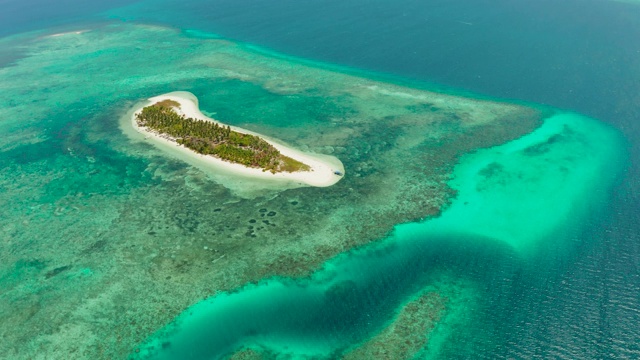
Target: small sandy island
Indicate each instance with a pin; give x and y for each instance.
(323, 170)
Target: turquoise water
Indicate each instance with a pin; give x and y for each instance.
(133, 226)
(112, 248)
(522, 199)
(534, 189)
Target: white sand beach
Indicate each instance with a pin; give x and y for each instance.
(323, 167)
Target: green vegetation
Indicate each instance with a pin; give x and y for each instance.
(209, 138)
(169, 103)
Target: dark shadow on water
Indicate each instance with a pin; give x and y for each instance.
(354, 296)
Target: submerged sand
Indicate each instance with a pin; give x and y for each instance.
(322, 171)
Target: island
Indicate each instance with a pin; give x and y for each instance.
(175, 119)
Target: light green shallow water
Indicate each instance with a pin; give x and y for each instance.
(527, 191)
(538, 189)
(105, 239)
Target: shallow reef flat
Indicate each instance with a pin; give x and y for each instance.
(516, 203)
(105, 240)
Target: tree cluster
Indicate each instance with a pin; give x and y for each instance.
(209, 138)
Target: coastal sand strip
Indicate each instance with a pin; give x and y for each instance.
(323, 167)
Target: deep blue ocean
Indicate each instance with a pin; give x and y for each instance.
(578, 55)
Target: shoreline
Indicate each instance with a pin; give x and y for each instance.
(322, 166)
